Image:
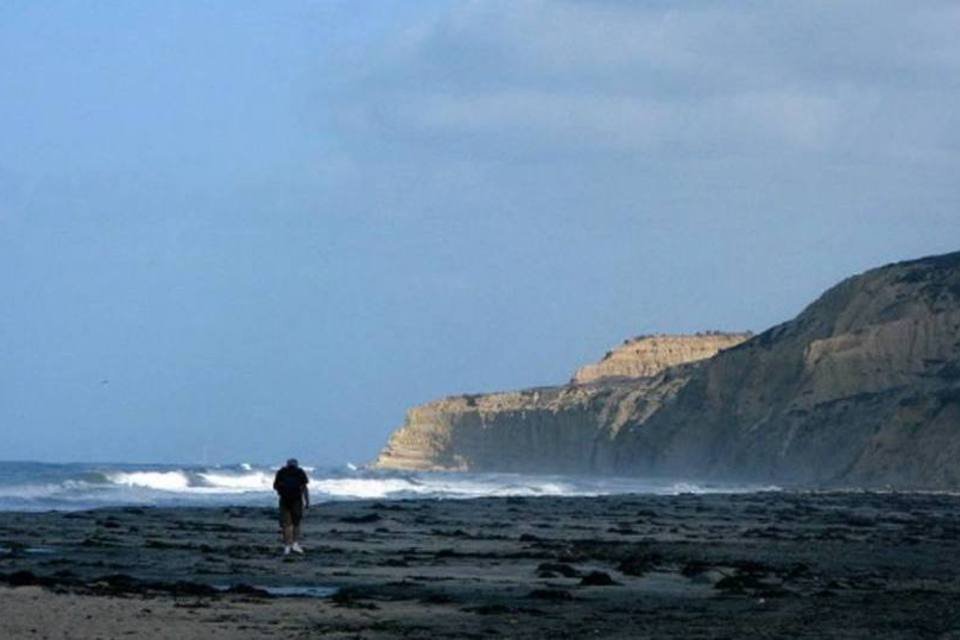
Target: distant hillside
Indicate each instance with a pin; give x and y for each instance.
(861, 389)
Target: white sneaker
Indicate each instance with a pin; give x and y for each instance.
(286, 549)
(296, 547)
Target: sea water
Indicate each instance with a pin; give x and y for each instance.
(32, 486)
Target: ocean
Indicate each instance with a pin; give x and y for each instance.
(33, 486)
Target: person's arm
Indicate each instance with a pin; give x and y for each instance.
(276, 482)
(304, 481)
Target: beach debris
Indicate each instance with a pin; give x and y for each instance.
(364, 519)
(597, 579)
(638, 565)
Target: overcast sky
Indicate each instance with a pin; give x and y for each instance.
(260, 229)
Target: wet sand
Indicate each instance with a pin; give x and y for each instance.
(720, 566)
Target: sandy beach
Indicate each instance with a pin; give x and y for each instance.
(838, 565)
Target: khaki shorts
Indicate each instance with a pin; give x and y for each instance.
(291, 513)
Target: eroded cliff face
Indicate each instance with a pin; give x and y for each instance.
(560, 429)
(564, 429)
(861, 389)
(648, 356)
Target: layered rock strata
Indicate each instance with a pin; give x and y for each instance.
(861, 389)
(648, 356)
(564, 429)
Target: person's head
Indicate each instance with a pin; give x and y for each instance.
(292, 462)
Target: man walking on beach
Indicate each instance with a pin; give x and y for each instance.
(290, 483)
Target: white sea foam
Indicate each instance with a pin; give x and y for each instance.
(252, 481)
(35, 491)
(85, 486)
(161, 480)
(495, 485)
(198, 482)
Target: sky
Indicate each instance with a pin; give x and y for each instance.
(236, 231)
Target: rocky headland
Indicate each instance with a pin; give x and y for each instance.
(861, 389)
(564, 429)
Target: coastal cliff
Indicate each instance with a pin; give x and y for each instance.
(861, 389)
(648, 356)
(565, 429)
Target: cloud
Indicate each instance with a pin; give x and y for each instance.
(537, 77)
(541, 117)
(617, 122)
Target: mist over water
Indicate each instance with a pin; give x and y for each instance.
(29, 486)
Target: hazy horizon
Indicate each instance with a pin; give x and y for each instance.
(266, 230)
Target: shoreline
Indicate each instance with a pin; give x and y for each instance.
(77, 487)
(807, 564)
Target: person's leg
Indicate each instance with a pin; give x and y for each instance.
(286, 525)
(296, 513)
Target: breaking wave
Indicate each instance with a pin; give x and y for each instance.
(32, 486)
